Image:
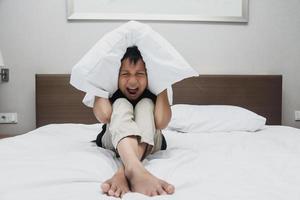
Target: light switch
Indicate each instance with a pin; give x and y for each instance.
(297, 115)
(8, 118)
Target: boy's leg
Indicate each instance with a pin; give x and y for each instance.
(131, 150)
(117, 185)
(143, 125)
(122, 125)
(141, 180)
(144, 117)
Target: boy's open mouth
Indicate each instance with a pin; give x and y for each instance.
(132, 91)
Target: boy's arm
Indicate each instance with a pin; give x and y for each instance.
(102, 109)
(162, 110)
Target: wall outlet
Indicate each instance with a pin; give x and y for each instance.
(8, 118)
(297, 115)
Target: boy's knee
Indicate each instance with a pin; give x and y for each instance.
(121, 103)
(145, 103)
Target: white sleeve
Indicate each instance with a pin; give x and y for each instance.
(170, 95)
(89, 100)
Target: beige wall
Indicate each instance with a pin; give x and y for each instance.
(35, 37)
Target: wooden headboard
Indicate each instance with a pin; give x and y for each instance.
(58, 102)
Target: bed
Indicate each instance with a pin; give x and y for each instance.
(57, 161)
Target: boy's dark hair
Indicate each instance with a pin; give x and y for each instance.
(133, 54)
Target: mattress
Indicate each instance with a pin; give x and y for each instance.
(59, 162)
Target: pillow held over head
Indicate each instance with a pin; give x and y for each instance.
(97, 72)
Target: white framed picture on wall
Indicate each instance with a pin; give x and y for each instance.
(162, 10)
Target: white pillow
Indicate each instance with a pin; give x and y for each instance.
(97, 72)
(213, 118)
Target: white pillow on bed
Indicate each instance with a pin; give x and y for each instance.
(213, 118)
(97, 72)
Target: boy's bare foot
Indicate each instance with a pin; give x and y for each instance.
(142, 181)
(116, 186)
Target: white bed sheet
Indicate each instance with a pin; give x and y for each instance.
(58, 162)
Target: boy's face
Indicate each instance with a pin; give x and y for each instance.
(132, 78)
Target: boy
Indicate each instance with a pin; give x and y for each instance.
(133, 118)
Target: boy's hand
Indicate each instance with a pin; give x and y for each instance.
(102, 109)
(162, 111)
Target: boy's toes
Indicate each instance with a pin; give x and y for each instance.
(105, 187)
(111, 193)
(160, 191)
(118, 193)
(112, 190)
(168, 188)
